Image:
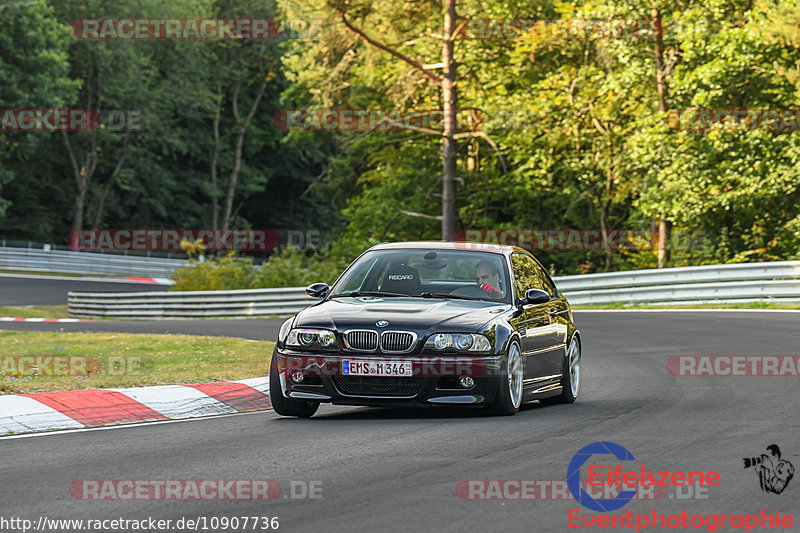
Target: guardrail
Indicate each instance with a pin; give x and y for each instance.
(740, 282)
(188, 304)
(44, 260)
(779, 281)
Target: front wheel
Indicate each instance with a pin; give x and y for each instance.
(509, 397)
(286, 406)
(571, 377)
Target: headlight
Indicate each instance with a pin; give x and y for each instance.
(464, 342)
(309, 338)
(442, 341)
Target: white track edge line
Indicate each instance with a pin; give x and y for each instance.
(124, 426)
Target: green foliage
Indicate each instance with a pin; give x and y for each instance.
(289, 268)
(585, 145)
(292, 268)
(164, 179)
(563, 133)
(33, 73)
(229, 272)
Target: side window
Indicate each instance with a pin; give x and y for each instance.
(543, 280)
(524, 274)
(549, 286)
(528, 274)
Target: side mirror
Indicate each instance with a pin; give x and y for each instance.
(317, 290)
(535, 296)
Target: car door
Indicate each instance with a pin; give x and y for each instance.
(558, 311)
(532, 322)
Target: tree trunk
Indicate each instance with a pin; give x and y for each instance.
(604, 233)
(77, 206)
(449, 143)
(449, 102)
(233, 178)
(82, 176)
(606, 210)
(214, 159)
(664, 230)
(98, 215)
(664, 226)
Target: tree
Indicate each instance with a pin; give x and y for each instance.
(115, 76)
(33, 67)
(449, 97)
(241, 69)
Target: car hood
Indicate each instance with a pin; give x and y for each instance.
(421, 315)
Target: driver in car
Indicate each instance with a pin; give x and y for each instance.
(487, 275)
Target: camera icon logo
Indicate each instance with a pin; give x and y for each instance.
(774, 473)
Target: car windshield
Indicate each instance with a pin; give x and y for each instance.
(453, 274)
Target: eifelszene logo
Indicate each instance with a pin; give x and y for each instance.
(773, 472)
(574, 476)
(618, 477)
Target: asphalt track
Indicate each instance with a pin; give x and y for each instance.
(397, 470)
(46, 290)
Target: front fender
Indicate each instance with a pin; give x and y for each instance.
(500, 333)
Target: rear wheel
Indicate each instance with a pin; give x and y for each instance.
(509, 397)
(571, 377)
(286, 406)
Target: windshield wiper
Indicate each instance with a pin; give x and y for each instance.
(353, 294)
(447, 295)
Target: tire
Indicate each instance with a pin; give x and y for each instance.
(570, 377)
(509, 395)
(286, 406)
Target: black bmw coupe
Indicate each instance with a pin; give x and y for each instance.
(430, 323)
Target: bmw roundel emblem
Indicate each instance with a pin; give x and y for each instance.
(382, 323)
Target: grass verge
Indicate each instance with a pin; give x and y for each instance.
(36, 311)
(68, 361)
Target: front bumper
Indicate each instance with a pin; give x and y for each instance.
(435, 380)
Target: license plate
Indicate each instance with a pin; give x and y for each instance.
(376, 367)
